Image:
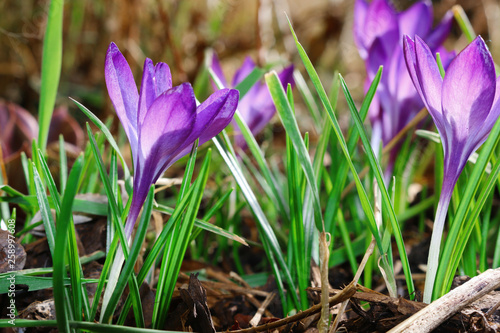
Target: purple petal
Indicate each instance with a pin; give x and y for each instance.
(469, 89)
(245, 69)
(440, 32)
(381, 22)
(286, 76)
(490, 121)
(216, 67)
(416, 20)
(155, 81)
(123, 92)
(168, 123)
(147, 94)
(360, 10)
(162, 79)
(213, 116)
(377, 56)
(430, 82)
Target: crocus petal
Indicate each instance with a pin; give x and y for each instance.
(155, 81)
(162, 79)
(437, 36)
(286, 76)
(213, 116)
(123, 92)
(360, 10)
(173, 112)
(245, 69)
(489, 122)
(416, 20)
(377, 56)
(216, 67)
(430, 81)
(469, 89)
(381, 22)
(147, 94)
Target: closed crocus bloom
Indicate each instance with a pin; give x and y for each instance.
(161, 122)
(378, 34)
(256, 107)
(464, 106)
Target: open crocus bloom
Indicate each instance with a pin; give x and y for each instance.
(256, 107)
(464, 106)
(378, 34)
(162, 122)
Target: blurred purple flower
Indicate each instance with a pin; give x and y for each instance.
(162, 122)
(464, 106)
(256, 107)
(378, 34)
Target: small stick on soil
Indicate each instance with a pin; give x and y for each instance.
(438, 311)
(324, 255)
(258, 316)
(361, 268)
(338, 298)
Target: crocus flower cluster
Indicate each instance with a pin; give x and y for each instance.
(256, 107)
(464, 106)
(161, 122)
(378, 34)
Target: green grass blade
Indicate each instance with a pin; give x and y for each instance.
(308, 98)
(61, 241)
(104, 129)
(265, 228)
(188, 172)
(386, 200)
(51, 69)
(127, 273)
(450, 254)
(336, 127)
(248, 82)
(290, 124)
(252, 144)
(174, 253)
(463, 22)
(157, 246)
(47, 218)
(63, 164)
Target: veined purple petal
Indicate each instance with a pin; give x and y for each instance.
(155, 81)
(213, 116)
(437, 36)
(245, 69)
(381, 22)
(123, 92)
(147, 94)
(173, 112)
(416, 20)
(217, 111)
(360, 11)
(490, 121)
(469, 89)
(162, 78)
(216, 67)
(430, 81)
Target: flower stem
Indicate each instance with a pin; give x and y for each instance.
(437, 235)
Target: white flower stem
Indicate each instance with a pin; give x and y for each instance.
(437, 235)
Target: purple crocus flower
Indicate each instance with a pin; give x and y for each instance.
(464, 106)
(256, 107)
(162, 122)
(378, 34)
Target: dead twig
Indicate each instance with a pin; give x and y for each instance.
(338, 298)
(440, 310)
